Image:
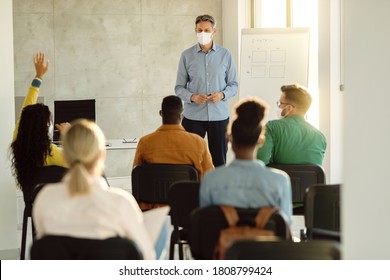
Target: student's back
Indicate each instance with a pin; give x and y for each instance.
(171, 144)
(291, 139)
(247, 182)
(82, 205)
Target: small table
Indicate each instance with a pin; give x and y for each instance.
(121, 144)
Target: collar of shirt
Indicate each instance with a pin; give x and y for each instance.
(199, 49)
(242, 162)
(166, 127)
(294, 118)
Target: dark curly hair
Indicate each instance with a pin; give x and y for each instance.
(32, 144)
(247, 126)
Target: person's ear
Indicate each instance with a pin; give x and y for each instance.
(102, 154)
(287, 110)
(160, 112)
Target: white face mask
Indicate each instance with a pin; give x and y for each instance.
(204, 38)
(279, 112)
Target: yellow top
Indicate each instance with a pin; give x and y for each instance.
(55, 157)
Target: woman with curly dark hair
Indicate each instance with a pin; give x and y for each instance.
(31, 146)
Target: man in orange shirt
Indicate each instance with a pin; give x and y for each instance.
(171, 144)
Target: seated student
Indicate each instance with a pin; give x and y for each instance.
(247, 182)
(171, 144)
(291, 139)
(82, 205)
(31, 146)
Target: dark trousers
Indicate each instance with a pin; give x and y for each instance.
(216, 136)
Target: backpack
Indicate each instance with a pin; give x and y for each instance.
(236, 232)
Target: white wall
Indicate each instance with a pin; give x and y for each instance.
(366, 191)
(8, 235)
(234, 18)
(329, 81)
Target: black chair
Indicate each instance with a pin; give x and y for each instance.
(283, 250)
(183, 199)
(301, 176)
(206, 223)
(322, 212)
(53, 247)
(151, 182)
(46, 174)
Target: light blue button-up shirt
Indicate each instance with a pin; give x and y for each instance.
(201, 72)
(247, 184)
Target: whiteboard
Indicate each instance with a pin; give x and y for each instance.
(270, 58)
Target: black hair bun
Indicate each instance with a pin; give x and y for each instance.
(250, 113)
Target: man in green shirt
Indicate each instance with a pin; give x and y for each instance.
(291, 139)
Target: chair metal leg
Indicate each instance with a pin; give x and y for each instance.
(172, 245)
(24, 235)
(181, 251)
(33, 231)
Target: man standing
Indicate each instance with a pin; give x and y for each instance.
(206, 79)
(291, 139)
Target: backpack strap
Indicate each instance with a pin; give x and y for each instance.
(230, 214)
(264, 215)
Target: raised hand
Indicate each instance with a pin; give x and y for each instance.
(62, 127)
(41, 66)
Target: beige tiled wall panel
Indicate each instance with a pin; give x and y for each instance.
(123, 53)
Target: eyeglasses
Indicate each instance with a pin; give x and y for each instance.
(278, 103)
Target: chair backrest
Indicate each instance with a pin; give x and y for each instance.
(206, 224)
(322, 207)
(301, 176)
(283, 250)
(53, 247)
(151, 182)
(45, 175)
(183, 199)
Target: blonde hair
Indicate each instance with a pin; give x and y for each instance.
(82, 145)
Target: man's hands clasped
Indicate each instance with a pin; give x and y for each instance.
(200, 98)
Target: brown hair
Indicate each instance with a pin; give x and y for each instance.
(297, 95)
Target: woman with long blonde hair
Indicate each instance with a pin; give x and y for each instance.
(82, 205)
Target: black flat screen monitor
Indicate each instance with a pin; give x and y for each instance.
(69, 110)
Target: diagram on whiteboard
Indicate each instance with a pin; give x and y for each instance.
(271, 58)
(268, 63)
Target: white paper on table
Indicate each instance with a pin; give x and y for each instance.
(154, 220)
